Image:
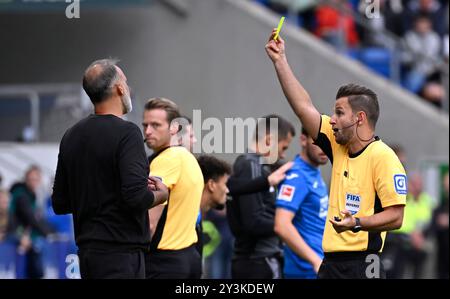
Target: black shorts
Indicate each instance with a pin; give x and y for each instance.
(173, 264)
(98, 264)
(351, 265)
(256, 268)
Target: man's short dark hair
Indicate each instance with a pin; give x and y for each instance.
(99, 86)
(167, 105)
(361, 98)
(213, 168)
(284, 126)
(304, 132)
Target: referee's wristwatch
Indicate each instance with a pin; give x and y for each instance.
(357, 226)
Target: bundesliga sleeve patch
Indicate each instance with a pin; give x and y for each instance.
(286, 193)
(400, 183)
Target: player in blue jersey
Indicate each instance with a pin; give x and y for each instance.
(302, 211)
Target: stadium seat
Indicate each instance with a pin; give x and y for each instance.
(353, 53)
(377, 59)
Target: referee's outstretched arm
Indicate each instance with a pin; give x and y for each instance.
(297, 96)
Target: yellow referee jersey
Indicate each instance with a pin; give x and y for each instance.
(181, 173)
(363, 184)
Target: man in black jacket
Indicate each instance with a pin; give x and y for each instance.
(101, 178)
(251, 217)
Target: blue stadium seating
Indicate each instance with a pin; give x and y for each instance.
(377, 59)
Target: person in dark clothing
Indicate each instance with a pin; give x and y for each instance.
(439, 227)
(236, 186)
(213, 168)
(29, 221)
(101, 178)
(257, 251)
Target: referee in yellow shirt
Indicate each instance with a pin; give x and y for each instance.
(172, 250)
(368, 183)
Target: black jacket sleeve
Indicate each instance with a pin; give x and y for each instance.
(242, 186)
(254, 219)
(60, 199)
(133, 168)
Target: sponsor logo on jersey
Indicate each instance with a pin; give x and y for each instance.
(352, 203)
(286, 192)
(400, 183)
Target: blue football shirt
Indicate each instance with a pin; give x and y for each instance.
(304, 193)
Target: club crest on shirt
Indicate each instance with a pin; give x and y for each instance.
(352, 203)
(400, 183)
(286, 192)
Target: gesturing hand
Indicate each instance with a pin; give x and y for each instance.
(275, 48)
(160, 190)
(345, 224)
(278, 175)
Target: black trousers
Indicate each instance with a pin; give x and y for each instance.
(103, 264)
(256, 268)
(351, 265)
(173, 264)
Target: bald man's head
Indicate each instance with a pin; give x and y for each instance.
(99, 79)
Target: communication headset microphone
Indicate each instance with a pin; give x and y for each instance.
(344, 128)
(358, 121)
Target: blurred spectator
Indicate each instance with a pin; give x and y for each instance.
(390, 19)
(434, 93)
(9, 231)
(336, 27)
(5, 219)
(24, 209)
(405, 247)
(425, 45)
(304, 9)
(440, 228)
(433, 9)
(1, 180)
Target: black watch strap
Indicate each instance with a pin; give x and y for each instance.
(357, 226)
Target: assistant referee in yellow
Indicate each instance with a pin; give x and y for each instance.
(172, 250)
(368, 183)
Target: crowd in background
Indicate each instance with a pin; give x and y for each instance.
(421, 28)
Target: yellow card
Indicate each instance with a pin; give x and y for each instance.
(280, 24)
